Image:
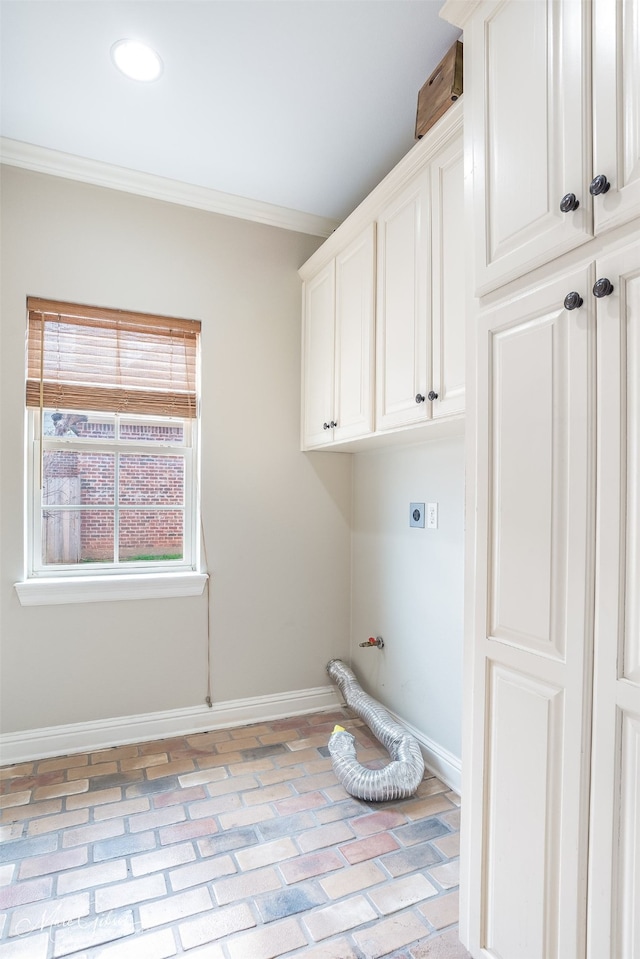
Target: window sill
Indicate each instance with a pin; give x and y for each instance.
(57, 591)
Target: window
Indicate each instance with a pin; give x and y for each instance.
(113, 427)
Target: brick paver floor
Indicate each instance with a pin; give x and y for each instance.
(232, 844)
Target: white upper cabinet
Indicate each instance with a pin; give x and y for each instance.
(421, 309)
(548, 174)
(448, 279)
(616, 104)
(384, 302)
(338, 346)
(530, 134)
(403, 361)
(318, 357)
(354, 354)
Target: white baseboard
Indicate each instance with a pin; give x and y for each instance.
(437, 759)
(32, 744)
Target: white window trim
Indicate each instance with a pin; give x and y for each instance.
(62, 588)
(57, 591)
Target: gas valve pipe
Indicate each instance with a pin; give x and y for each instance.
(378, 642)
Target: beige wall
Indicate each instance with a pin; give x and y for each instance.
(408, 585)
(277, 521)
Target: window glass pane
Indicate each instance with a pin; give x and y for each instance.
(147, 534)
(149, 431)
(89, 425)
(90, 471)
(151, 480)
(71, 536)
(78, 479)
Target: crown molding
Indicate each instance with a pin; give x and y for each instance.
(39, 159)
(458, 12)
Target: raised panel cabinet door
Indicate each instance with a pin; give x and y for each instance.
(616, 95)
(448, 280)
(402, 321)
(529, 649)
(354, 348)
(614, 877)
(318, 358)
(530, 133)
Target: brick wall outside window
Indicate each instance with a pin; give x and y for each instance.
(79, 478)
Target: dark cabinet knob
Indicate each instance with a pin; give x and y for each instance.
(333, 424)
(325, 426)
(602, 287)
(432, 396)
(420, 398)
(599, 185)
(569, 203)
(572, 301)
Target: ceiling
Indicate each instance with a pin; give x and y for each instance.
(305, 104)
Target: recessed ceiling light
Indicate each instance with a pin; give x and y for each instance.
(136, 60)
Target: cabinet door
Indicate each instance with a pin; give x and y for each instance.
(448, 280)
(616, 91)
(530, 133)
(402, 323)
(354, 348)
(318, 354)
(614, 878)
(528, 715)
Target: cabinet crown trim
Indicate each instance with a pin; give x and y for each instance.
(418, 157)
(458, 12)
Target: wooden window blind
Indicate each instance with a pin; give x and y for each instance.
(83, 358)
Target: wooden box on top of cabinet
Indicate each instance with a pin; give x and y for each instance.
(442, 88)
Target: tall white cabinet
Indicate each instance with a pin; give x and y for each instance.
(614, 878)
(551, 762)
(533, 593)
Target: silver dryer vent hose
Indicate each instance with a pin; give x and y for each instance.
(398, 779)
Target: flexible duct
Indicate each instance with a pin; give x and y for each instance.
(398, 779)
